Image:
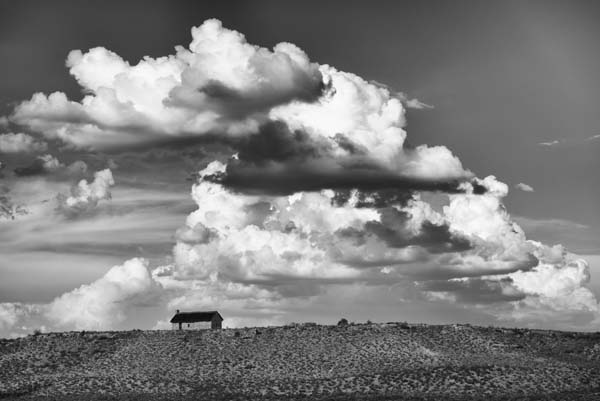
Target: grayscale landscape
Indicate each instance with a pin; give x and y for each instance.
(182, 180)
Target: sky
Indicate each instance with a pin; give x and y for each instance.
(284, 161)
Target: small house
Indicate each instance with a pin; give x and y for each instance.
(196, 320)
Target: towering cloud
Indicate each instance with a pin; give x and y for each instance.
(320, 189)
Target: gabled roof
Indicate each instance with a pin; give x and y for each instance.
(192, 317)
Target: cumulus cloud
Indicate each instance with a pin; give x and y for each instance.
(86, 195)
(282, 246)
(559, 286)
(286, 116)
(30, 188)
(104, 302)
(524, 187)
(320, 189)
(220, 83)
(100, 305)
(20, 143)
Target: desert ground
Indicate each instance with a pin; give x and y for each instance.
(391, 361)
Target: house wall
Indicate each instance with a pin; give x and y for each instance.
(196, 326)
(192, 326)
(215, 323)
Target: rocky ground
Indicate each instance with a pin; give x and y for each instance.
(393, 361)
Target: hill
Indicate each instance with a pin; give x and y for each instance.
(367, 361)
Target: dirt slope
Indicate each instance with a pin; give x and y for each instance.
(374, 361)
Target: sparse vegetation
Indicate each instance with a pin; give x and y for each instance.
(372, 362)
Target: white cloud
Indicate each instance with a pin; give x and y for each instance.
(559, 286)
(221, 83)
(524, 187)
(106, 301)
(50, 163)
(417, 104)
(86, 195)
(229, 89)
(100, 305)
(20, 143)
(550, 143)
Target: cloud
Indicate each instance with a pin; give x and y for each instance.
(283, 114)
(417, 104)
(524, 187)
(9, 209)
(102, 304)
(18, 315)
(475, 290)
(220, 84)
(319, 189)
(569, 141)
(471, 251)
(86, 195)
(20, 143)
(50, 165)
(551, 143)
(410, 103)
(106, 301)
(43, 164)
(558, 286)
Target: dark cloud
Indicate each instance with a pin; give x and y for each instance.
(449, 266)
(235, 104)
(275, 178)
(394, 231)
(275, 142)
(36, 167)
(476, 290)
(279, 161)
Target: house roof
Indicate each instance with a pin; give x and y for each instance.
(192, 317)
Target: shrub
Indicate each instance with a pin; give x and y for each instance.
(343, 322)
(37, 332)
